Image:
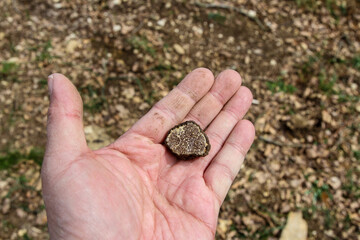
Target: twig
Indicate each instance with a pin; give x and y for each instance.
(261, 214)
(262, 78)
(340, 138)
(121, 77)
(280, 144)
(137, 28)
(248, 13)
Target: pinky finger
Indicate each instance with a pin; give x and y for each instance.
(223, 169)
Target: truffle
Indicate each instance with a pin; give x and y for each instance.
(187, 141)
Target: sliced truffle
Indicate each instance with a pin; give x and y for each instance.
(187, 141)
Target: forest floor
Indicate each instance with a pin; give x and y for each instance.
(300, 58)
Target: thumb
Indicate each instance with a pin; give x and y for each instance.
(65, 134)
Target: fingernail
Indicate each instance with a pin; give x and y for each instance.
(50, 83)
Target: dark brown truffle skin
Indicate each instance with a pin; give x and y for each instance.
(187, 141)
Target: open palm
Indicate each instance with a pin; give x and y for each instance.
(134, 188)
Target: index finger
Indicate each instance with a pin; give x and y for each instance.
(173, 108)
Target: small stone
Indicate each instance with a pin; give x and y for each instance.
(304, 46)
(137, 99)
(197, 30)
(295, 183)
(144, 106)
(335, 182)
(116, 2)
(22, 232)
(58, 5)
(88, 130)
(296, 227)
(117, 28)
(161, 22)
(252, 14)
(123, 112)
(258, 51)
(72, 45)
(179, 49)
(128, 92)
(21, 213)
(353, 86)
(187, 141)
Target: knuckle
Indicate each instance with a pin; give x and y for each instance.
(55, 112)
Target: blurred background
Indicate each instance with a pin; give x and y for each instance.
(300, 58)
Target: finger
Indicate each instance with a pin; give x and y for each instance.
(224, 167)
(225, 86)
(224, 123)
(65, 135)
(172, 109)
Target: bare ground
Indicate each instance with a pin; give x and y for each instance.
(301, 59)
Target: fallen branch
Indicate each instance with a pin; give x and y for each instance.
(280, 144)
(248, 13)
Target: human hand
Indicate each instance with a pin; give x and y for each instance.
(134, 188)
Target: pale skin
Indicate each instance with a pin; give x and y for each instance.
(134, 188)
